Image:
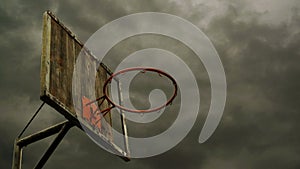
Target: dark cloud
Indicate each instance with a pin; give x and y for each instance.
(20, 47)
(261, 70)
(259, 48)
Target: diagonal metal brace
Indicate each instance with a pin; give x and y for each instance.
(65, 128)
(60, 128)
(41, 134)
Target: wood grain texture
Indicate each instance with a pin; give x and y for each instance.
(60, 51)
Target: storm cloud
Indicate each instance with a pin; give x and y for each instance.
(258, 43)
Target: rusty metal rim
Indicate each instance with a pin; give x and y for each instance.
(144, 69)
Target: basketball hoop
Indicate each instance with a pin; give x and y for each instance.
(113, 104)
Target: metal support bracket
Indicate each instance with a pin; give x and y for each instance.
(61, 129)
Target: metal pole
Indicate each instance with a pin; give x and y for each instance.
(17, 158)
(123, 121)
(54, 144)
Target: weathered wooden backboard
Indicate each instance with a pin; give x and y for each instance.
(59, 53)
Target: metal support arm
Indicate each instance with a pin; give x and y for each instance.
(61, 129)
(54, 144)
(41, 134)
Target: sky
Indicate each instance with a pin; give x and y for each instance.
(258, 44)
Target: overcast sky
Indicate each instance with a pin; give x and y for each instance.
(258, 43)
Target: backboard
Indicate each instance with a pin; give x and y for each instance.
(59, 53)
